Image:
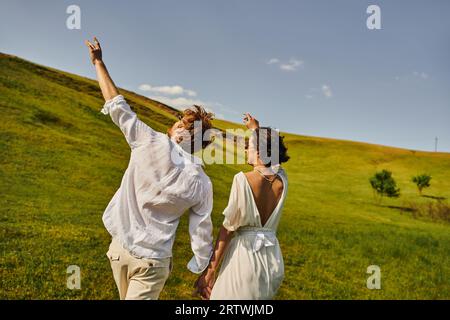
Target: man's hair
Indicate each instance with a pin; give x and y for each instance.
(193, 114)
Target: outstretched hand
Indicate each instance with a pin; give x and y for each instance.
(95, 51)
(250, 122)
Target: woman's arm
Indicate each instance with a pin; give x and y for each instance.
(109, 89)
(206, 281)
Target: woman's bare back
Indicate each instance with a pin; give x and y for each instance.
(266, 194)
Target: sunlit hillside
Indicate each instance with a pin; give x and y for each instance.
(62, 160)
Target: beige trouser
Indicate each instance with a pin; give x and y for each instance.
(137, 278)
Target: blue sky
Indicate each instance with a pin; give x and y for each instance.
(307, 67)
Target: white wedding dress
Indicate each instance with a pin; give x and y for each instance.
(252, 268)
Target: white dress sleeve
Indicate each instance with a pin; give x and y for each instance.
(233, 213)
(201, 227)
(135, 131)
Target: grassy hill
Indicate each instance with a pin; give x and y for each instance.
(62, 160)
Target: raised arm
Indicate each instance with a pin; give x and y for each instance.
(135, 131)
(109, 89)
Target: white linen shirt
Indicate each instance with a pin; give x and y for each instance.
(161, 182)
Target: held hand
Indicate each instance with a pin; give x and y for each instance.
(250, 122)
(95, 51)
(204, 284)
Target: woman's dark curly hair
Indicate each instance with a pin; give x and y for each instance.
(271, 134)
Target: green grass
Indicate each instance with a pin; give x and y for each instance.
(62, 160)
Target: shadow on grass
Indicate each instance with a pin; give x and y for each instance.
(436, 211)
(403, 209)
(434, 197)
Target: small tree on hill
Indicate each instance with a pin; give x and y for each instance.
(384, 185)
(422, 181)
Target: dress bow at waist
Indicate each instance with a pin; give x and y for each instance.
(264, 237)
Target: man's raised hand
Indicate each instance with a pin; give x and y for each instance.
(109, 89)
(95, 51)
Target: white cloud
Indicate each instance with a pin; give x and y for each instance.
(292, 65)
(181, 98)
(145, 87)
(178, 102)
(273, 61)
(191, 93)
(326, 91)
(168, 90)
(182, 103)
(314, 92)
(421, 75)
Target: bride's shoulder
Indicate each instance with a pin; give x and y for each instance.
(239, 177)
(282, 174)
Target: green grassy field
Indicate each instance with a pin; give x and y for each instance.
(62, 160)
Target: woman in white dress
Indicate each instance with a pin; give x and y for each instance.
(252, 266)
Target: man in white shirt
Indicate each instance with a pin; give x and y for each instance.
(162, 181)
